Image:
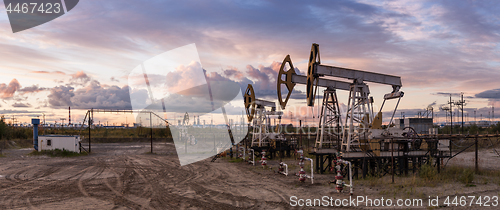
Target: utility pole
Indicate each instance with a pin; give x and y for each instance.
(451, 115)
(475, 122)
(460, 104)
(90, 125)
(451, 112)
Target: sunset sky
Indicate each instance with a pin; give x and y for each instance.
(83, 58)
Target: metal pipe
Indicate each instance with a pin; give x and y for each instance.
(350, 177)
(286, 169)
(281, 168)
(253, 157)
(312, 170)
(350, 185)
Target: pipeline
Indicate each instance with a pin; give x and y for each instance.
(339, 179)
(282, 170)
(312, 171)
(302, 174)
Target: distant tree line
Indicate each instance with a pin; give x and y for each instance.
(10, 132)
(472, 129)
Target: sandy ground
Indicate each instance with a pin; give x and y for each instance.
(123, 176)
(487, 159)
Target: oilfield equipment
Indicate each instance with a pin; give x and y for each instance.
(339, 178)
(184, 135)
(302, 174)
(283, 169)
(260, 118)
(263, 160)
(358, 134)
(251, 160)
(263, 136)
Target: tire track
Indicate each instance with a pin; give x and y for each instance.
(31, 186)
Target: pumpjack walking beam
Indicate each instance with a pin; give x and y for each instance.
(330, 117)
(359, 105)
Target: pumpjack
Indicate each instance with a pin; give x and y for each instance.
(356, 133)
(264, 137)
(359, 118)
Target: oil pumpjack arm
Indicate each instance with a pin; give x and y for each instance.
(359, 105)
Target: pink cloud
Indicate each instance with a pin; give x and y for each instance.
(7, 91)
(185, 77)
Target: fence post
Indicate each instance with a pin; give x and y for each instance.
(476, 164)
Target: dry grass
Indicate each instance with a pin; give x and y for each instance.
(57, 153)
(413, 186)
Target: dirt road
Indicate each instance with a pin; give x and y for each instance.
(124, 176)
(118, 176)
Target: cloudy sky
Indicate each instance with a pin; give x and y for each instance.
(83, 58)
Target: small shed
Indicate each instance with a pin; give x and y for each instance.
(52, 142)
